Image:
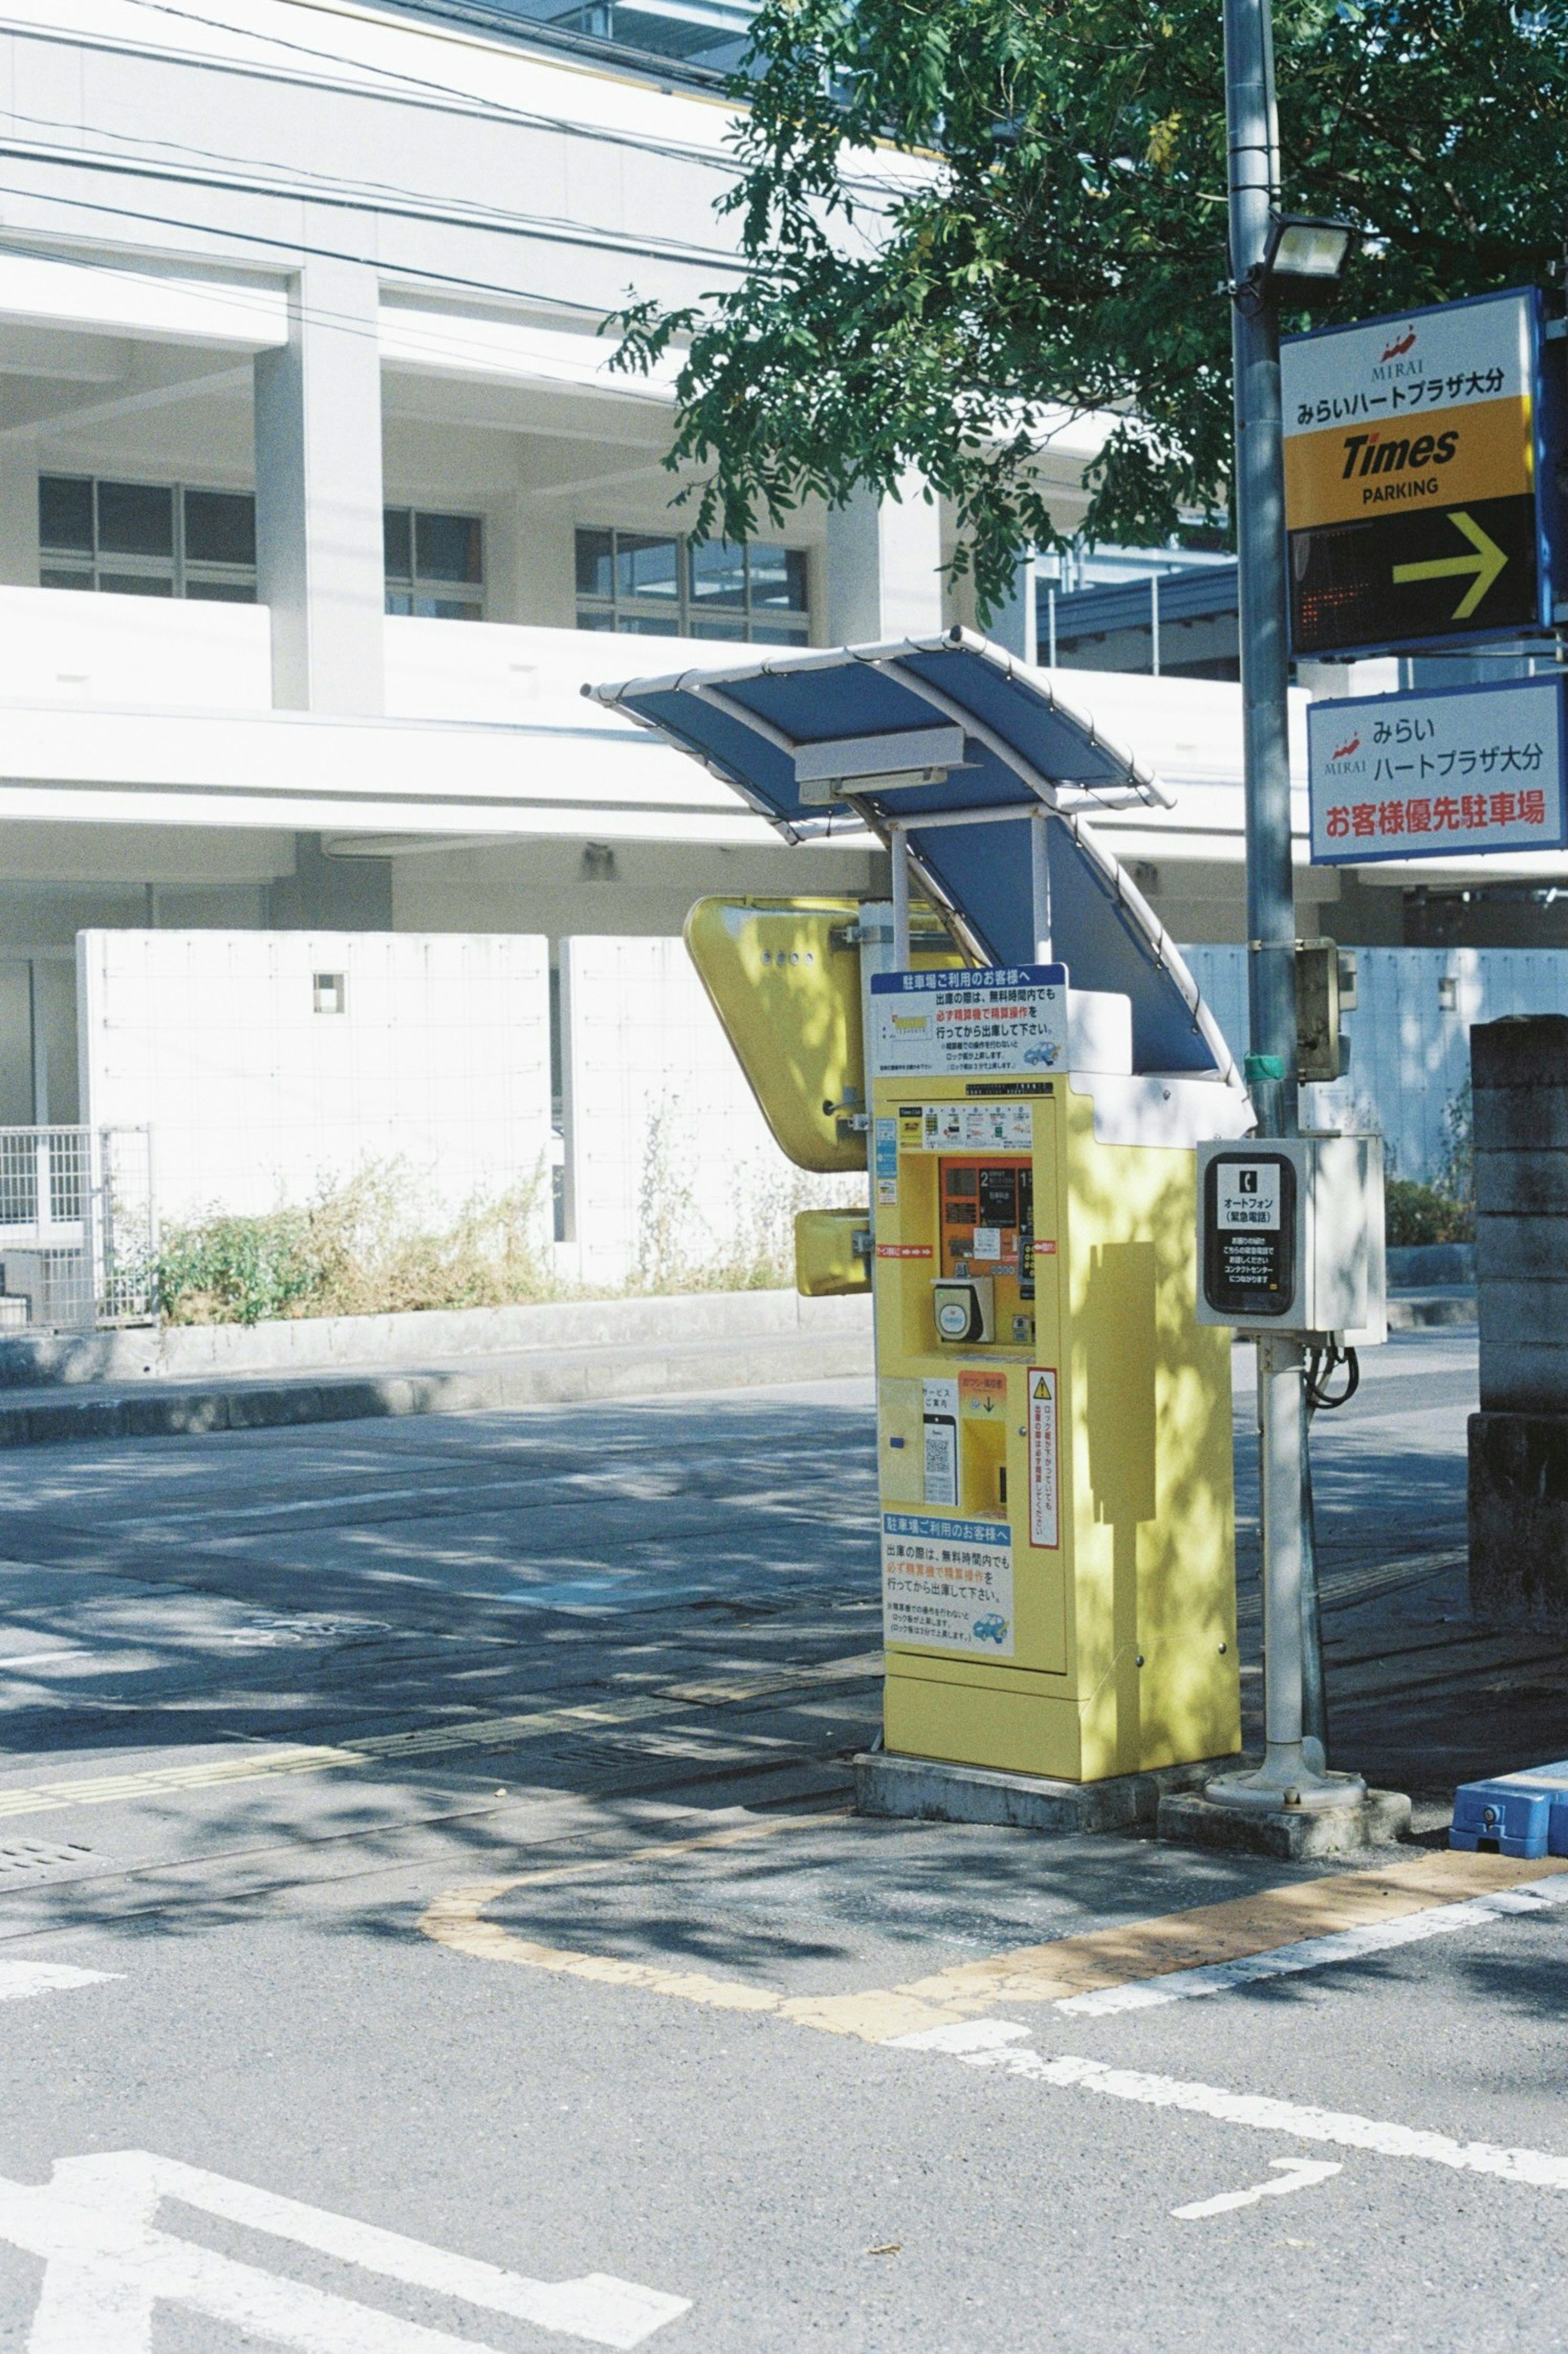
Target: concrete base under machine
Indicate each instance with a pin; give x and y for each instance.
(926, 1789)
(1189, 1819)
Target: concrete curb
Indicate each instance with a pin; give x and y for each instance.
(925, 1789)
(1413, 1311)
(352, 1344)
(163, 1409)
(1189, 1819)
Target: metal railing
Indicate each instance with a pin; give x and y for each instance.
(78, 1230)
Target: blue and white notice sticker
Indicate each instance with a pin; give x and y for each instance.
(1004, 1019)
(947, 1585)
(885, 1141)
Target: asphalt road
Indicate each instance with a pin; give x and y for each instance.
(430, 1918)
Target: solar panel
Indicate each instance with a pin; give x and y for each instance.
(1024, 751)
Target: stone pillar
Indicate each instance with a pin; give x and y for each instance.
(319, 564)
(1518, 1440)
(884, 567)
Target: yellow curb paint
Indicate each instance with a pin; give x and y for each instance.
(1198, 1937)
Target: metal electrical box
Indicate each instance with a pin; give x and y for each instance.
(1291, 1236)
(1053, 1425)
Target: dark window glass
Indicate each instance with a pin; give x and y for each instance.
(399, 526)
(447, 547)
(596, 561)
(220, 527)
(731, 626)
(776, 634)
(135, 519)
(399, 601)
(644, 566)
(778, 577)
(718, 573)
(596, 621)
(652, 625)
(444, 609)
(50, 577)
(135, 584)
(65, 513)
(220, 592)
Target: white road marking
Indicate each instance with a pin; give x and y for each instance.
(1291, 2174)
(108, 2268)
(20, 1979)
(1317, 1953)
(994, 2043)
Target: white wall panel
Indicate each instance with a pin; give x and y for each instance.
(440, 1060)
(669, 1164)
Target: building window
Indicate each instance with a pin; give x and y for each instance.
(146, 539)
(435, 564)
(652, 585)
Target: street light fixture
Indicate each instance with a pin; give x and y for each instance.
(1304, 251)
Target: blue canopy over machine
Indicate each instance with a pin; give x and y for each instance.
(951, 745)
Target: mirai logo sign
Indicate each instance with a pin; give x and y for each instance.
(1468, 769)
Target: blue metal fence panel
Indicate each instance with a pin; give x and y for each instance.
(1409, 1032)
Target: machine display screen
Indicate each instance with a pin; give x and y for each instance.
(987, 1220)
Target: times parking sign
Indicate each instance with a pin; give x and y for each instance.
(1416, 463)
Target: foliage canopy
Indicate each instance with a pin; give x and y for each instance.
(1068, 242)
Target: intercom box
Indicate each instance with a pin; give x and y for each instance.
(1291, 1236)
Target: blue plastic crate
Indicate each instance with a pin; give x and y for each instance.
(1501, 1818)
(1557, 1834)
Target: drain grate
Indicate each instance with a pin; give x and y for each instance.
(25, 1856)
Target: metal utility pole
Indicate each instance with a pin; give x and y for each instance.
(1252, 123)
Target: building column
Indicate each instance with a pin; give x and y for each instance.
(1012, 625)
(320, 561)
(884, 567)
(19, 511)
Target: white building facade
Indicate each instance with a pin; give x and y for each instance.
(320, 502)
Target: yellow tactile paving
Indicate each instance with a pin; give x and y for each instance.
(1198, 1937)
(434, 1741)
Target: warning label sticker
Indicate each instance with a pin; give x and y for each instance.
(947, 1585)
(1043, 1506)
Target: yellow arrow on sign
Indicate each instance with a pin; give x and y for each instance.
(1485, 563)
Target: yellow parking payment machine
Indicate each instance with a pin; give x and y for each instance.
(1053, 1425)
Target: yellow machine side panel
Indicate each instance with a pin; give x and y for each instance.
(827, 1262)
(789, 1002)
(785, 982)
(1151, 1466)
(1009, 1731)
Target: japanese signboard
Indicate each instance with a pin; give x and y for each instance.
(947, 1585)
(996, 1018)
(1459, 769)
(1414, 469)
(1249, 1233)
